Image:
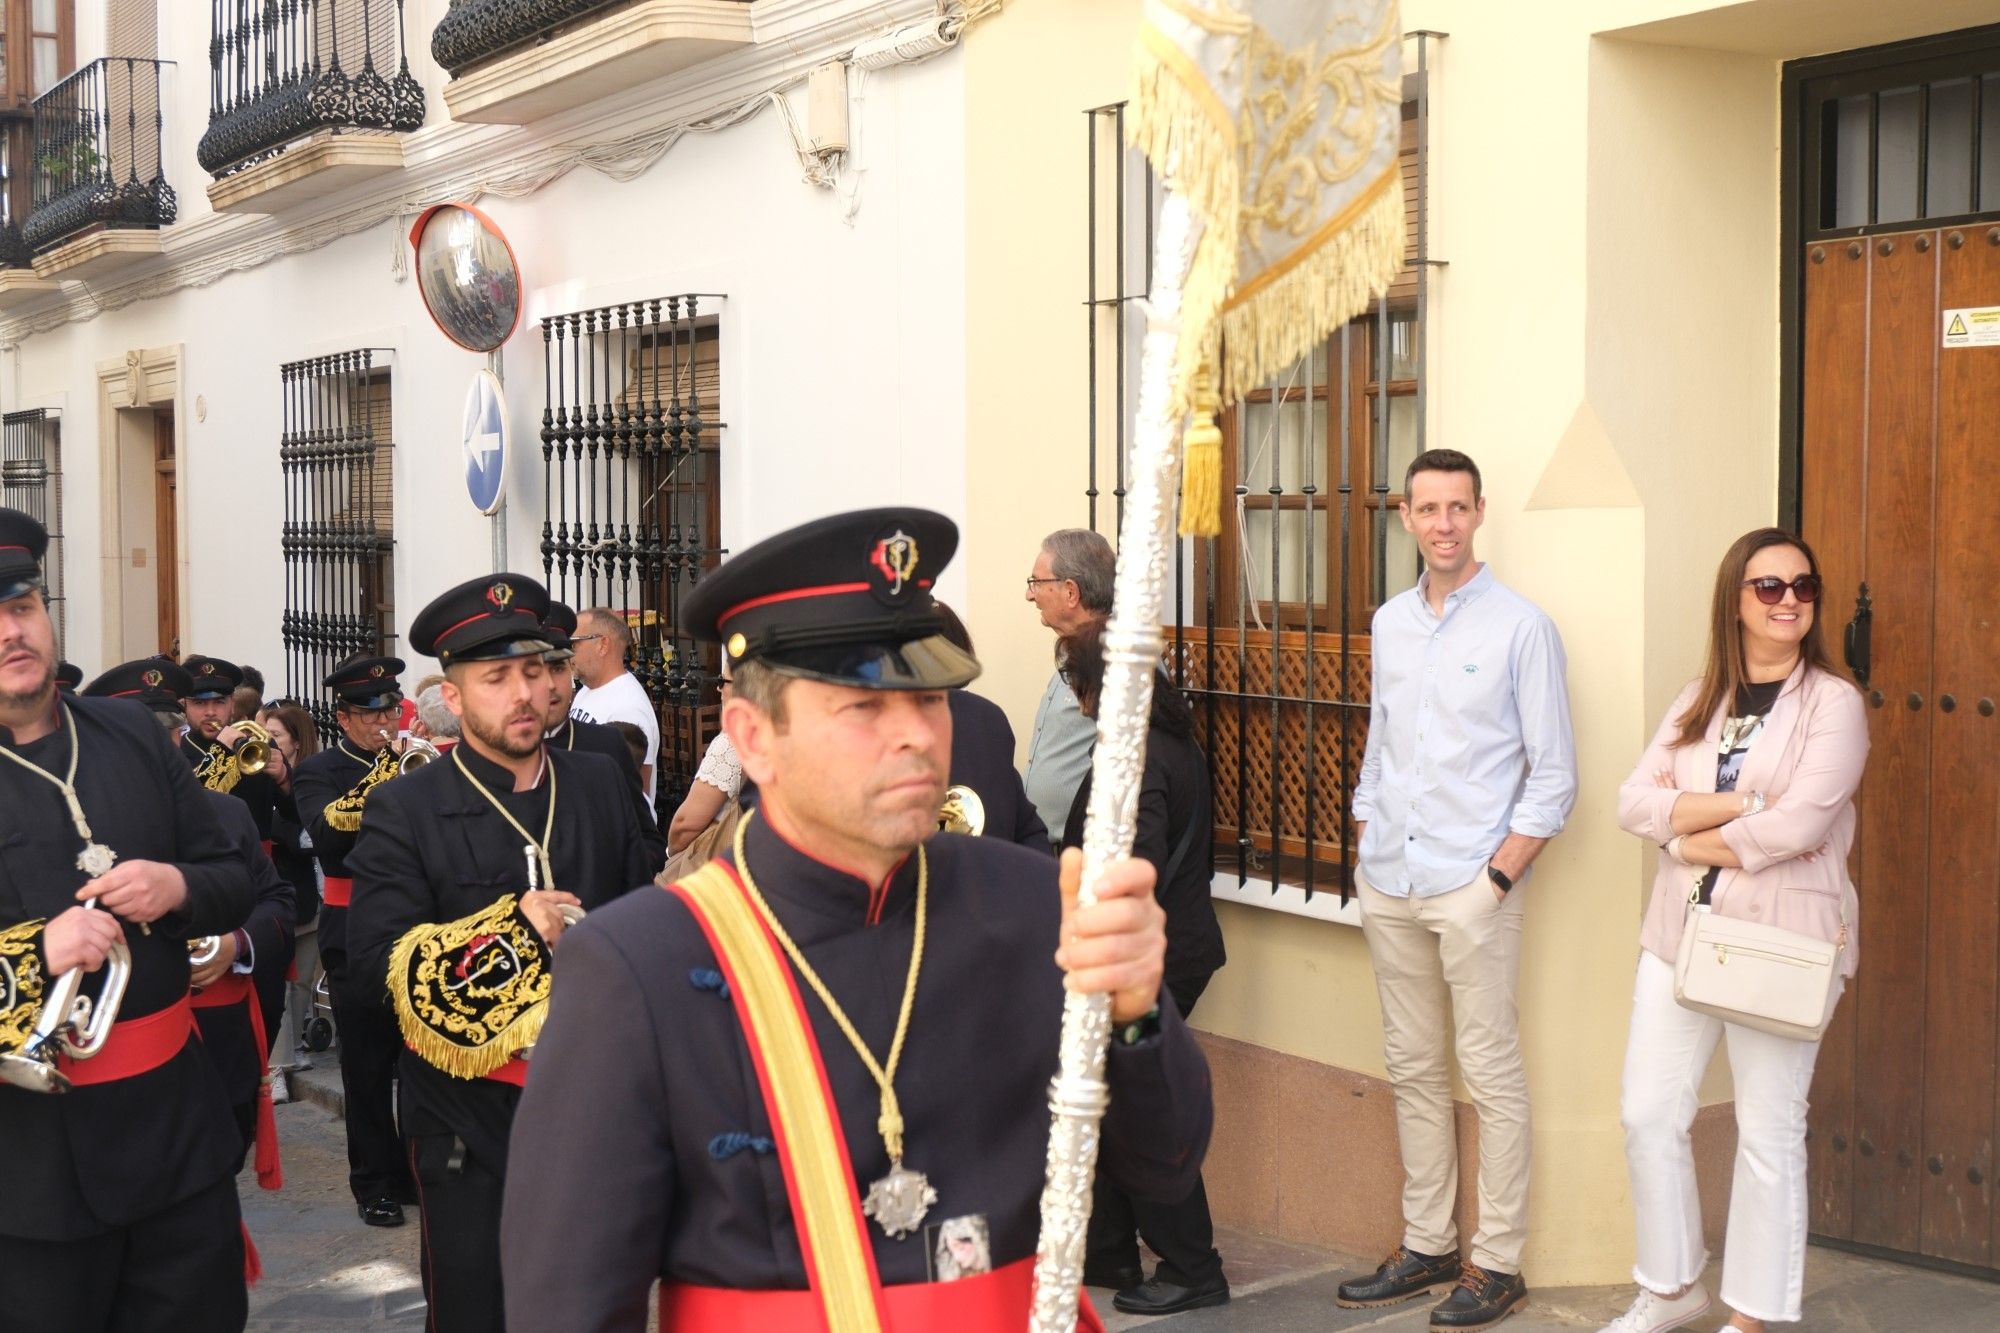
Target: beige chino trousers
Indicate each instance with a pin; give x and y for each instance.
(1463, 947)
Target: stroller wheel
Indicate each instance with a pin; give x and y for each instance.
(318, 1033)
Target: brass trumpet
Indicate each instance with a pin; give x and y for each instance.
(253, 752)
(69, 1023)
(416, 753)
(962, 811)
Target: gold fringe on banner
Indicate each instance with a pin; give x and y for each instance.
(1280, 315)
(1178, 122)
(471, 994)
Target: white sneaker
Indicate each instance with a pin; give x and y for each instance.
(1654, 1313)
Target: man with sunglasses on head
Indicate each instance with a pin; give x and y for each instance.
(332, 790)
(1470, 770)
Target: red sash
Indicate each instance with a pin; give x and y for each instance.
(266, 845)
(996, 1302)
(339, 891)
(236, 988)
(515, 1071)
(136, 1046)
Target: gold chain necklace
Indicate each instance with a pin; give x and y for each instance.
(95, 859)
(899, 1200)
(538, 846)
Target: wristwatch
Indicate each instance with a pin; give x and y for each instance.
(1140, 1028)
(1499, 877)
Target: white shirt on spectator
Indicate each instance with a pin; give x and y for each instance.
(721, 769)
(623, 699)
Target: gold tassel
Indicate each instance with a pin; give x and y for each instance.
(1201, 460)
(511, 1023)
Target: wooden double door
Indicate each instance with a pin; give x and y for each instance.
(1900, 495)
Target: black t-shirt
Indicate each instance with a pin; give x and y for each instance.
(1739, 732)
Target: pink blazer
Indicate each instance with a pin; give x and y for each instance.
(1807, 761)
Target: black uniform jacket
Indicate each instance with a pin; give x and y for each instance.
(642, 1143)
(226, 1032)
(598, 738)
(318, 782)
(1174, 804)
(109, 1154)
(291, 852)
(433, 849)
(982, 758)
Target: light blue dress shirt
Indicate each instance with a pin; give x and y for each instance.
(1058, 755)
(1468, 737)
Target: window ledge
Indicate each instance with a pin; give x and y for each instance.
(1325, 904)
(324, 164)
(97, 253)
(20, 286)
(599, 58)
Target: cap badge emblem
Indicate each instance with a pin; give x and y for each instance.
(895, 557)
(152, 679)
(500, 594)
(376, 671)
(207, 668)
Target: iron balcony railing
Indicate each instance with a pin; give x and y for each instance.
(473, 31)
(282, 69)
(97, 153)
(14, 249)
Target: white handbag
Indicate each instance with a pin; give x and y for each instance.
(1763, 977)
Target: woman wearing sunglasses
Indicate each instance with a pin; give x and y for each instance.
(1748, 788)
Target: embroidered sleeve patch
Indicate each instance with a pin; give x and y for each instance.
(471, 994)
(20, 984)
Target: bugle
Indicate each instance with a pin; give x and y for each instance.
(69, 1023)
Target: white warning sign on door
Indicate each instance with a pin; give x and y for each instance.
(1972, 326)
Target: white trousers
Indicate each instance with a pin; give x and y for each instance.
(1764, 1252)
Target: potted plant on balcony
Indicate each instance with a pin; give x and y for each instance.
(71, 160)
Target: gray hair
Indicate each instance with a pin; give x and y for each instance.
(1084, 558)
(611, 624)
(436, 715)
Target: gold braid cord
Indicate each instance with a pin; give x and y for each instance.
(20, 984)
(344, 812)
(471, 994)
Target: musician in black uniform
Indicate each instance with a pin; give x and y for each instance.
(212, 732)
(331, 790)
(569, 733)
(461, 867)
(119, 1207)
(227, 1001)
(643, 1146)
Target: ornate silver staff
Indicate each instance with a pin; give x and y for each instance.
(1131, 651)
(1282, 218)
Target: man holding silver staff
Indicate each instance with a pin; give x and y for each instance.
(807, 1086)
(463, 874)
(120, 1206)
(331, 789)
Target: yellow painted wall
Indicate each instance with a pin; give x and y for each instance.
(1604, 340)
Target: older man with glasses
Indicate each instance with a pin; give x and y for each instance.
(1071, 588)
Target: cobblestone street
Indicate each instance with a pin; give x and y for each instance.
(324, 1272)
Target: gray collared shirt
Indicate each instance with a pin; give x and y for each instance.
(1468, 737)
(1058, 755)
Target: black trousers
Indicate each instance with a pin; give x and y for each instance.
(460, 1250)
(370, 1046)
(1182, 1233)
(178, 1271)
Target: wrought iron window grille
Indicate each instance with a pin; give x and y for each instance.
(631, 463)
(31, 481)
(336, 456)
(475, 31)
(1264, 642)
(97, 153)
(282, 69)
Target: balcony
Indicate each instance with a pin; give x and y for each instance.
(516, 61)
(18, 283)
(305, 98)
(100, 196)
